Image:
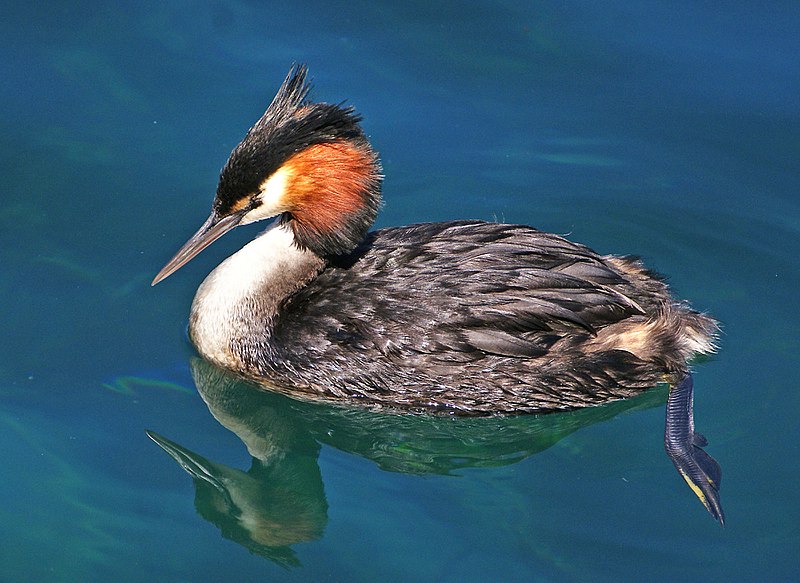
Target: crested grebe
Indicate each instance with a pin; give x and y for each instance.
(462, 317)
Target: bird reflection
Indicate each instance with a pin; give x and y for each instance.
(266, 509)
(280, 500)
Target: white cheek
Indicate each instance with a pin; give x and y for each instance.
(271, 194)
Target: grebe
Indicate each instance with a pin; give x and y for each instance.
(461, 317)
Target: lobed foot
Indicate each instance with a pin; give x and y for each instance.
(685, 448)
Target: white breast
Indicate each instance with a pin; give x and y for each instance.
(241, 296)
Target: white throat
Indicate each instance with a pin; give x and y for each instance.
(236, 304)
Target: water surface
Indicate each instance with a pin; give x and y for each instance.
(662, 129)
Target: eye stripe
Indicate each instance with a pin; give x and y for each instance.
(271, 196)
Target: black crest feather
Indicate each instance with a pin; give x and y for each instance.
(290, 124)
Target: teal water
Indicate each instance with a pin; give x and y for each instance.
(669, 130)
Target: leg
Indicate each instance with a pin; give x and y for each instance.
(685, 447)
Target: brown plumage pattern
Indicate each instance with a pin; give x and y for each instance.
(476, 318)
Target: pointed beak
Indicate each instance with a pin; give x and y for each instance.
(214, 227)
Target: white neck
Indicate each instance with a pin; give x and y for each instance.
(236, 304)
